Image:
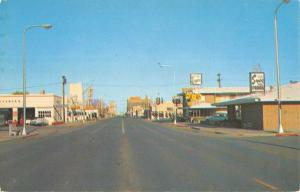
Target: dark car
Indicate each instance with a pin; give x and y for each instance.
(215, 119)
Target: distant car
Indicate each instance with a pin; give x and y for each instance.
(215, 119)
(39, 122)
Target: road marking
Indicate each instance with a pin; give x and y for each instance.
(123, 129)
(266, 184)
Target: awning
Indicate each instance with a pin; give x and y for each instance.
(238, 101)
(203, 106)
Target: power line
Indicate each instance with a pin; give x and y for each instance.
(30, 87)
(136, 85)
(121, 85)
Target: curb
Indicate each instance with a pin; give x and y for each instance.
(195, 128)
(229, 133)
(286, 134)
(181, 125)
(28, 136)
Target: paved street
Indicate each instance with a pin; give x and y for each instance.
(133, 154)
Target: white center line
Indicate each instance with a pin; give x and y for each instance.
(123, 129)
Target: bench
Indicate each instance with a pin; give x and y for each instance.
(14, 131)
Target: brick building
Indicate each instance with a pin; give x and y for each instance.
(137, 106)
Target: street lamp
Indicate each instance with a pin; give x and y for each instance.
(174, 76)
(45, 26)
(280, 129)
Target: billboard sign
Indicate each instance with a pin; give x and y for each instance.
(196, 78)
(257, 82)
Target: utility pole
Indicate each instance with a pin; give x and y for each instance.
(219, 80)
(64, 82)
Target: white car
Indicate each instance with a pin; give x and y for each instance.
(39, 122)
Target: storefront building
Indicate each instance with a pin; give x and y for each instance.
(164, 110)
(260, 111)
(198, 102)
(138, 107)
(47, 106)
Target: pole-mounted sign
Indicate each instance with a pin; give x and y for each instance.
(196, 78)
(257, 82)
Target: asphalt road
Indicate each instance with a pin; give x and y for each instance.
(135, 155)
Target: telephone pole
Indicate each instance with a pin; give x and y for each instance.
(64, 82)
(219, 80)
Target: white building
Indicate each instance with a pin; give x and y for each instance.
(48, 106)
(164, 110)
(76, 93)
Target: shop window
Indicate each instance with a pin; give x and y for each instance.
(43, 114)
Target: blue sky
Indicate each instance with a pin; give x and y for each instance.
(116, 44)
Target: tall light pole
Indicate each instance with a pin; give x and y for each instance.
(174, 77)
(280, 129)
(45, 26)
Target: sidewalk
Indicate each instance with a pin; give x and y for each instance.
(4, 133)
(235, 132)
(41, 131)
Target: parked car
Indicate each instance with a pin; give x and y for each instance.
(2, 120)
(215, 119)
(39, 122)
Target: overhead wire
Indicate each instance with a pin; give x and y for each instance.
(30, 87)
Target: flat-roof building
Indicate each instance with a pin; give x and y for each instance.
(48, 106)
(198, 102)
(259, 111)
(136, 106)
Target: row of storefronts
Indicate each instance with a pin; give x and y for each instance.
(242, 108)
(195, 103)
(198, 103)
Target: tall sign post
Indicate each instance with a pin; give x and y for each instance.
(257, 82)
(196, 79)
(196, 82)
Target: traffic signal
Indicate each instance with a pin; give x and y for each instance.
(64, 80)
